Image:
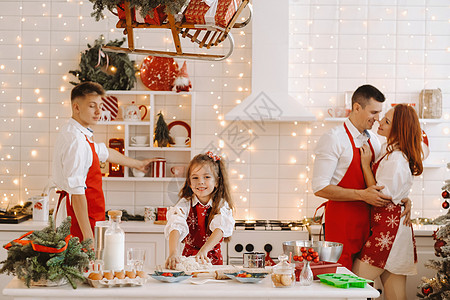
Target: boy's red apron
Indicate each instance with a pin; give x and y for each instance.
(199, 233)
(348, 222)
(385, 222)
(94, 196)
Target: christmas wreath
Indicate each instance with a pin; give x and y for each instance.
(114, 71)
(145, 6)
(48, 254)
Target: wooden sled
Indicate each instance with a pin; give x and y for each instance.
(206, 36)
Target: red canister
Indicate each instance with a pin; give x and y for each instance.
(159, 167)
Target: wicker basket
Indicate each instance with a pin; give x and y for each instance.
(430, 104)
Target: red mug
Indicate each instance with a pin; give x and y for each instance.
(161, 214)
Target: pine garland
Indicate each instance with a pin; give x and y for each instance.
(172, 6)
(31, 265)
(122, 79)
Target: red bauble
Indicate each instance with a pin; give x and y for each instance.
(445, 194)
(445, 204)
(426, 290)
(438, 245)
(159, 73)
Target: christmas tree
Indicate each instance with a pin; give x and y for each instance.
(51, 254)
(438, 288)
(162, 134)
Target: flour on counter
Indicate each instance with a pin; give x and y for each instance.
(190, 264)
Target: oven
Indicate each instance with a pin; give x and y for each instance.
(265, 236)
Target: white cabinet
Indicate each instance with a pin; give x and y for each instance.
(153, 243)
(178, 111)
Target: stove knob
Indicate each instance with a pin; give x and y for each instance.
(268, 248)
(249, 247)
(238, 248)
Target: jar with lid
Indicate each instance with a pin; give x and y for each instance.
(114, 253)
(283, 273)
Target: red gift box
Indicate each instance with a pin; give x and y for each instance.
(159, 15)
(196, 10)
(121, 12)
(321, 267)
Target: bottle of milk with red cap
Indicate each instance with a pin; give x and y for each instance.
(114, 253)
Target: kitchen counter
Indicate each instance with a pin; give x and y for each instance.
(184, 290)
(128, 226)
(419, 230)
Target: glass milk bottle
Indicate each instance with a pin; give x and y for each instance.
(114, 253)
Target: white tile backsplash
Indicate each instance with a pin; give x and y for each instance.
(401, 47)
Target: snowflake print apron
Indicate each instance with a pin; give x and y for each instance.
(199, 233)
(385, 222)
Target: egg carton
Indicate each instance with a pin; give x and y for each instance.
(115, 282)
(343, 281)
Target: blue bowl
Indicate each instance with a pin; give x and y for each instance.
(171, 278)
(255, 277)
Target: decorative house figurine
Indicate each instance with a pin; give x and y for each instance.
(116, 170)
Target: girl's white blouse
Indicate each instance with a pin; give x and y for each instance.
(394, 174)
(177, 216)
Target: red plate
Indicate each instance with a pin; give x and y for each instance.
(181, 123)
(159, 73)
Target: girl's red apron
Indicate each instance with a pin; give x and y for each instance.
(347, 222)
(385, 222)
(199, 233)
(94, 196)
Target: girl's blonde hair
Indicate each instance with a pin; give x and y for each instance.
(221, 192)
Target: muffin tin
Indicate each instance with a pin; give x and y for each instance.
(343, 281)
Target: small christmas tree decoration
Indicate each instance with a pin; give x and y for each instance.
(49, 255)
(445, 194)
(162, 134)
(426, 290)
(445, 204)
(182, 83)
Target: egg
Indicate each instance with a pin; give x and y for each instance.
(119, 275)
(130, 274)
(108, 275)
(95, 276)
(141, 274)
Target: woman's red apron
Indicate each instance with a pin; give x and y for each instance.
(385, 222)
(347, 222)
(199, 233)
(94, 196)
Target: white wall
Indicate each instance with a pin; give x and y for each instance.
(334, 48)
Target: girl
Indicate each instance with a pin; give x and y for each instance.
(390, 251)
(204, 214)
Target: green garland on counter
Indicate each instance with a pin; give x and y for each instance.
(114, 72)
(33, 266)
(172, 6)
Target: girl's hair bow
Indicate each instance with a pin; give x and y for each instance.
(213, 156)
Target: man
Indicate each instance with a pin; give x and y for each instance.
(76, 163)
(338, 175)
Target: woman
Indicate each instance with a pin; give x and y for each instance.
(390, 250)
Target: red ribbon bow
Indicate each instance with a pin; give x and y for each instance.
(213, 156)
(37, 247)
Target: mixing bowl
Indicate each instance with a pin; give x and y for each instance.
(328, 251)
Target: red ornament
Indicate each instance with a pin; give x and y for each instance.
(426, 290)
(445, 194)
(445, 204)
(158, 73)
(438, 245)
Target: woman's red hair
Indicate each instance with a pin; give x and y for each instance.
(406, 136)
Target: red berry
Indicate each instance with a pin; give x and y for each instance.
(300, 258)
(309, 258)
(303, 249)
(316, 260)
(311, 250)
(315, 254)
(295, 257)
(304, 254)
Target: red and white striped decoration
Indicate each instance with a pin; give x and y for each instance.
(111, 103)
(159, 168)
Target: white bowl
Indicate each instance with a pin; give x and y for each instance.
(137, 173)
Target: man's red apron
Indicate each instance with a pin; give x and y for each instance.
(199, 233)
(94, 196)
(385, 222)
(347, 222)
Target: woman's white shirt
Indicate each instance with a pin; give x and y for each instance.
(178, 214)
